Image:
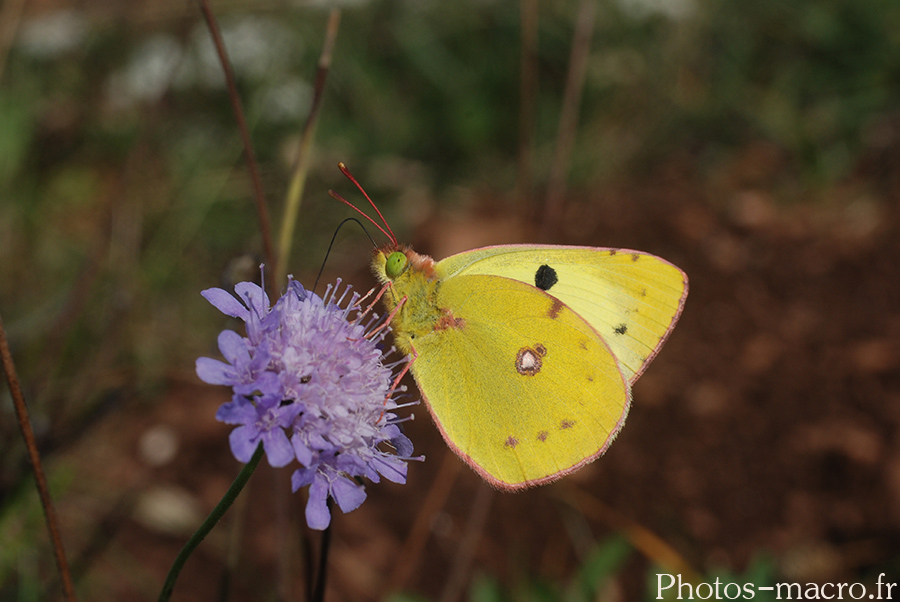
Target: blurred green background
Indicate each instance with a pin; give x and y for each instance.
(754, 144)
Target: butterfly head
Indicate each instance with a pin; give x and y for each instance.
(392, 262)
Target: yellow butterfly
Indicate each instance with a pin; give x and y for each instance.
(525, 354)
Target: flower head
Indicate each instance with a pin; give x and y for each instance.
(310, 384)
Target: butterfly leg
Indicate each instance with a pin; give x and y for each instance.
(368, 309)
(359, 301)
(411, 358)
(375, 300)
(390, 316)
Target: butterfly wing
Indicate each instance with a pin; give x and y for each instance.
(631, 299)
(522, 387)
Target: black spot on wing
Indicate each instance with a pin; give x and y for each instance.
(545, 277)
(621, 329)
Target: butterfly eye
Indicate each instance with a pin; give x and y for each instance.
(396, 264)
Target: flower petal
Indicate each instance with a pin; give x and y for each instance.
(302, 478)
(391, 468)
(214, 372)
(278, 448)
(237, 411)
(234, 349)
(297, 288)
(403, 445)
(348, 495)
(302, 452)
(269, 385)
(225, 303)
(256, 298)
(244, 440)
(317, 514)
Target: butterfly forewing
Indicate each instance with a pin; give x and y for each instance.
(521, 386)
(632, 299)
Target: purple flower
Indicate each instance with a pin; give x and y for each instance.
(263, 421)
(311, 385)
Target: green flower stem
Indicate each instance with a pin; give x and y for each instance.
(209, 523)
(292, 204)
(301, 169)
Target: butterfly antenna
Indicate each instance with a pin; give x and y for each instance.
(390, 236)
(334, 237)
(346, 172)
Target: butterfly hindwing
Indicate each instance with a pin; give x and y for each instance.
(631, 299)
(521, 386)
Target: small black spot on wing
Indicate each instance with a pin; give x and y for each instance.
(545, 277)
(621, 329)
